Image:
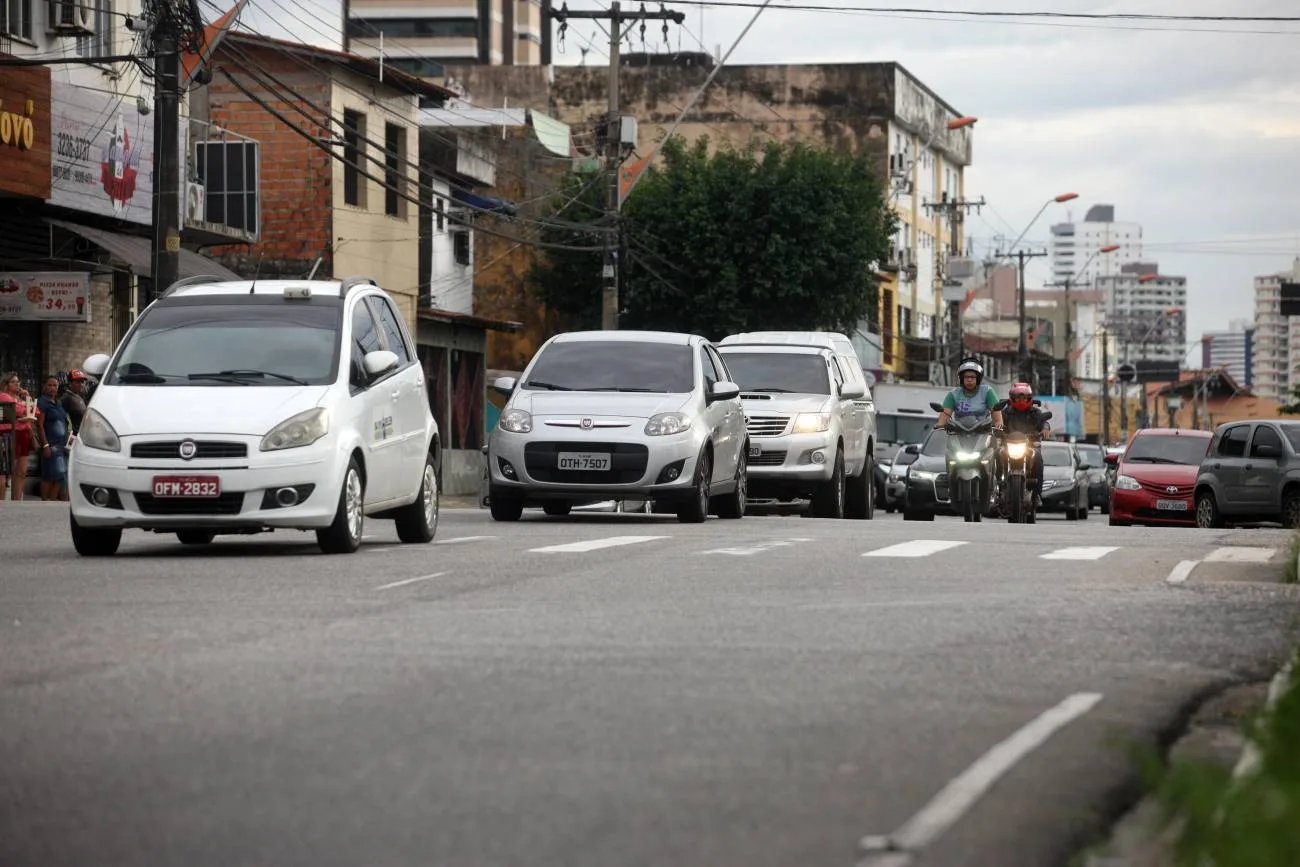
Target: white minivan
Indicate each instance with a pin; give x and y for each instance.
(245, 406)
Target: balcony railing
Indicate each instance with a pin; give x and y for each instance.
(223, 188)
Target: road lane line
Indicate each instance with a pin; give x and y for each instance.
(1083, 553)
(406, 581)
(914, 548)
(756, 549)
(956, 798)
(1182, 571)
(459, 539)
(594, 544)
(1240, 555)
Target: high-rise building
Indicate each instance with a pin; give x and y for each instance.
(422, 37)
(1277, 338)
(1073, 246)
(1146, 312)
(1233, 349)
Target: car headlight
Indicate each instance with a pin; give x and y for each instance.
(667, 423)
(1127, 483)
(921, 475)
(516, 421)
(967, 456)
(298, 430)
(97, 433)
(812, 422)
(1015, 451)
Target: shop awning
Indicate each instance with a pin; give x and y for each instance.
(134, 251)
(484, 203)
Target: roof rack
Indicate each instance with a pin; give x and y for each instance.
(350, 283)
(755, 344)
(196, 280)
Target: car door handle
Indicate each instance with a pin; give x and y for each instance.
(397, 392)
(1218, 466)
(1250, 466)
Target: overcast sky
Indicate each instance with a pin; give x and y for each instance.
(1195, 135)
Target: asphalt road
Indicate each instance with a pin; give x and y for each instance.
(607, 690)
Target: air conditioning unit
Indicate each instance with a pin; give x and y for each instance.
(195, 203)
(72, 17)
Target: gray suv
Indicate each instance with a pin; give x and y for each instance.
(1251, 474)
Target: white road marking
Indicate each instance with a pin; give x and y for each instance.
(594, 544)
(914, 548)
(1085, 553)
(947, 807)
(759, 548)
(1241, 555)
(458, 539)
(406, 581)
(1182, 571)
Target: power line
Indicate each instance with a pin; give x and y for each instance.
(1087, 16)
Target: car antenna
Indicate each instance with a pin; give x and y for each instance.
(257, 273)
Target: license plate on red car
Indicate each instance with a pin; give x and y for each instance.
(187, 486)
(1171, 505)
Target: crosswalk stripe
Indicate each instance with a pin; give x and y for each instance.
(460, 539)
(914, 548)
(1082, 553)
(1240, 555)
(594, 544)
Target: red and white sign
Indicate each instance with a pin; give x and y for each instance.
(45, 296)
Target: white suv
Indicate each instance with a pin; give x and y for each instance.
(243, 406)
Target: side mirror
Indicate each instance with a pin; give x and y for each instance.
(1046, 416)
(96, 364)
(912, 449)
(505, 385)
(937, 407)
(379, 361)
(1037, 402)
(1267, 451)
(723, 391)
(1112, 458)
(850, 391)
(1002, 405)
(1084, 465)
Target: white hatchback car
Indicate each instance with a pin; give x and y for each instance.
(243, 406)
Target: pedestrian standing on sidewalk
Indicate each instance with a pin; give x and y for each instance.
(24, 434)
(55, 432)
(74, 399)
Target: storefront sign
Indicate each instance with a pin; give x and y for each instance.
(45, 296)
(25, 132)
(103, 154)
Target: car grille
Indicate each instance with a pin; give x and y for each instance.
(224, 504)
(768, 459)
(1163, 490)
(171, 449)
(766, 425)
(941, 491)
(627, 463)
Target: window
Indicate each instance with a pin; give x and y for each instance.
(461, 247)
(1055, 455)
(99, 43)
(1233, 444)
(228, 171)
(395, 170)
(707, 366)
(365, 338)
(1265, 435)
(1292, 433)
(391, 327)
(354, 158)
(613, 365)
(412, 28)
(719, 365)
(936, 444)
(16, 18)
(779, 373)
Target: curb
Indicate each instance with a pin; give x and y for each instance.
(1250, 756)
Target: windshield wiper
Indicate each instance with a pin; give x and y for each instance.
(549, 386)
(241, 374)
(151, 378)
(1151, 459)
(622, 388)
(769, 390)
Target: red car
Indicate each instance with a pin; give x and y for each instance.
(1155, 476)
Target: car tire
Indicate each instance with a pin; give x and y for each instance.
(828, 501)
(94, 541)
(1208, 516)
(557, 509)
(860, 501)
(695, 510)
(343, 536)
(417, 521)
(732, 506)
(1291, 510)
(195, 537)
(505, 508)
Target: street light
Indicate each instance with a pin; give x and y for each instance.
(1025, 373)
(1080, 271)
(960, 122)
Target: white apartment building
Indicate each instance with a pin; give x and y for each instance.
(1277, 338)
(1146, 312)
(1233, 349)
(1074, 243)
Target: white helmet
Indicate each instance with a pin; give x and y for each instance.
(974, 367)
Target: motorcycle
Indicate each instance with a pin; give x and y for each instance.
(1014, 499)
(970, 463)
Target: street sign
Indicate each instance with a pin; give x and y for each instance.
(1126, 373)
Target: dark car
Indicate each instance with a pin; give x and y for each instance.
(1065, 481)
(1250, 475)
(896, 475)
(1155, 476)
(1098, 475)
(927, 480)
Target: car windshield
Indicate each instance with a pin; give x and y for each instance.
(1056, 455)
(936, 444)
(779, 372)
(614, 365)
(1091, 454)
(903, 428)
(219, 343)
(1171, 449)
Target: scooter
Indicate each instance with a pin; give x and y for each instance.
(970, 463)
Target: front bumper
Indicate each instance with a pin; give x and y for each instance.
(790, 466)
(927, 492)
(247, 483)
(527, 465)
(1142, 507)
(1058, 497)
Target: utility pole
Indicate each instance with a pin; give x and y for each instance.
(164, 254)
(956, 211)
(610, 142)
(1105, 387)
(1022, 257)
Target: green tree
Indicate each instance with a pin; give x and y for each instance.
(1292, 408)
(568, 281)
(782, 237)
